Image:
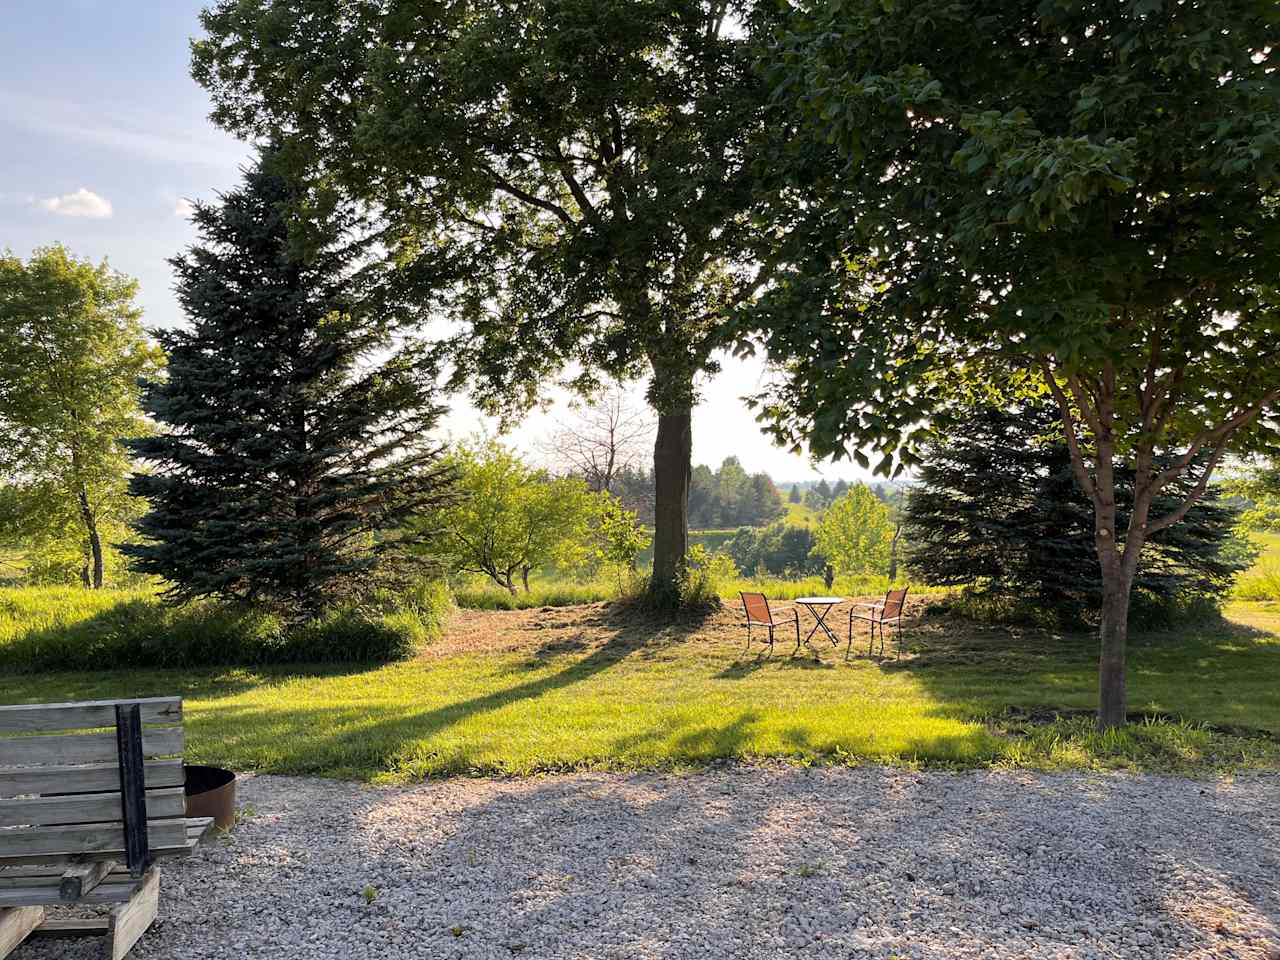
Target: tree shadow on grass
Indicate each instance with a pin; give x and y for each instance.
(352, 738)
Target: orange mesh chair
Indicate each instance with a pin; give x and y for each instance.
(756, 607)
(886, 612)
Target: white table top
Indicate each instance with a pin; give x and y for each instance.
(819, 600)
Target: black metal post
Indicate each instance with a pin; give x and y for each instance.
(133, 787)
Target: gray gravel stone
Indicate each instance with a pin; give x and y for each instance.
(750, 862)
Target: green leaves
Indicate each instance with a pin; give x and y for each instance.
(855, 533)
(72, 352)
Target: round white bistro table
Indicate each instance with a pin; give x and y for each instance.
(820, 608)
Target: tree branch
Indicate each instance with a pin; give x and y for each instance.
(1069, 428)
(508, 187)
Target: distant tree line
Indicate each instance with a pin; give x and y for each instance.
(730, 497)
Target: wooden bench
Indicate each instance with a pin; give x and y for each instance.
(91, 798)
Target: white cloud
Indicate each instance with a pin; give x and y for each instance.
(83, 203)
(184, 208)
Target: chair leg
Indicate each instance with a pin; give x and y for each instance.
(849, 646)
(748, 646)
(882, 638)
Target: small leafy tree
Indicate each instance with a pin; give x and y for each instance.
(619, 538)
(1259, 488)
(72, 351)
(512, 518)
(856, 532)
(296, 442)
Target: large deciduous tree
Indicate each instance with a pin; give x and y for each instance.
(72, 350)
(296, 440)
(1042, 196)
(595, 165)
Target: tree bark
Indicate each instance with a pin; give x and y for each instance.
(95, 541)
(672, 470)
(524, 576)
(1113, 706)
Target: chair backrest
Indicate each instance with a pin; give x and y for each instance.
(98, 780)
(894, 601)
(757, 607)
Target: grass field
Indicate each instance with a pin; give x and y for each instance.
(1262, 582)
(606, 688)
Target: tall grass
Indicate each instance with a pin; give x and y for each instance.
(563, 593)
(1260, 583)
(775, 589)
(71, 628)
(477, 595)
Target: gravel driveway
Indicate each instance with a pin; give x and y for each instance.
(741, 861)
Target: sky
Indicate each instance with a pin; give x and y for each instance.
(105, 140)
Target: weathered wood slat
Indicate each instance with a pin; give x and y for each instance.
(86, 715)
(15, 925)
(43, 896)
(195, 830)
(89, 839)
(84, 747)
(44, 875)
(88, 778)
(162, 804)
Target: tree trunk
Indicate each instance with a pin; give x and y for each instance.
(893, 552)
(524, 576)
(1113, 704)
(95, 541)
(510, 584)
(672, 468)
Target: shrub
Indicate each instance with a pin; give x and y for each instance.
(63, 628)
(1260, 583)
(702, 576)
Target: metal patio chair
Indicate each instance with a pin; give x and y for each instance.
(878, 615)
(756, 608)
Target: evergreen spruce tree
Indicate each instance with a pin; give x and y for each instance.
(795, 494)
(998, 510)
(293, 447)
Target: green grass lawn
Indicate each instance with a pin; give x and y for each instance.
(619, 692)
